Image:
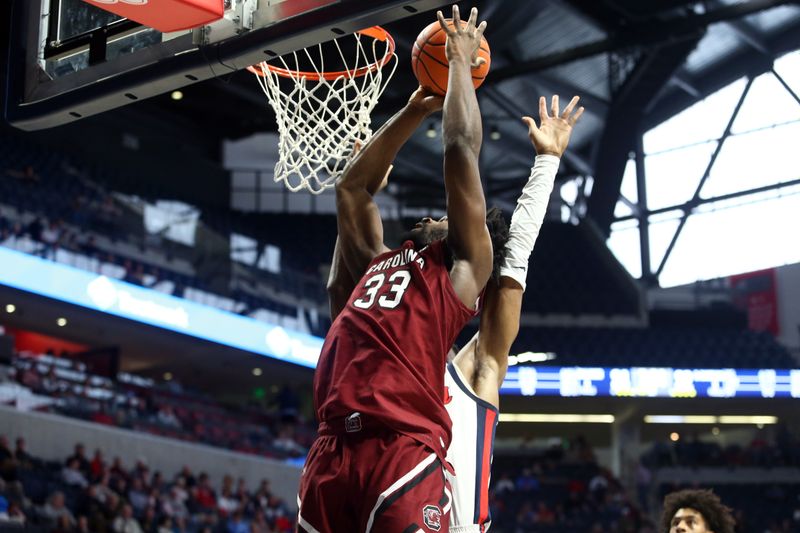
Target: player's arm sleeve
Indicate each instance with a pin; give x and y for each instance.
(527, 218)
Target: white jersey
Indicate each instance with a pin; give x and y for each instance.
(470, 453)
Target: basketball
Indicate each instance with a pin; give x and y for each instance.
(429, 62)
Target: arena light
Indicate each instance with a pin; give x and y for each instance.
(430, 133)
(177, 95)
(710, 419)
(167, 376)
(530, 357)
(61, 322)
(742, 419)
(680, 419)
(10, 308)
(561, 418)
(256, 371)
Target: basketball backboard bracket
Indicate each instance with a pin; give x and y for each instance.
(56, 79)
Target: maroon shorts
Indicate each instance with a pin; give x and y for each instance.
(372, 481)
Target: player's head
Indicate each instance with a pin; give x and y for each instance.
(695, 511)
(428, 230)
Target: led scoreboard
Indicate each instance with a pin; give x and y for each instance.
(639, 382)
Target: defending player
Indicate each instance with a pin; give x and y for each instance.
(378, 464)
(695, 511)
(476, 373)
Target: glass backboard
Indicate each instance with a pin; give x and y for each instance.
(71, 60)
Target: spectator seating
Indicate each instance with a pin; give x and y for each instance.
(82, 494)
(169, 411)
(671, 346)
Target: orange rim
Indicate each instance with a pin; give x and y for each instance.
(376, 32)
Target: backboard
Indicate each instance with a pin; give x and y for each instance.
(70, 60)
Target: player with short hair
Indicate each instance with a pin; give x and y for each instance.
(379, 462)
(695, 511)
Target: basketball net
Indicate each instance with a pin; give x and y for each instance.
(321, 115)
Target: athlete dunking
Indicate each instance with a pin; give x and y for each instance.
(474, 377)
(379, 462)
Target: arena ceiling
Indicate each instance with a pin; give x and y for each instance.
(634, 64)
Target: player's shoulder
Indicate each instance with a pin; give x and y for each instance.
(458, 385)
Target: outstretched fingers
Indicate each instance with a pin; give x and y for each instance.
(473, 19)
(570, 106)
(554, 106)
(443, 24)
(543, 108)
(456, 18)
(533, 129)
(574, 118)
(481, 29)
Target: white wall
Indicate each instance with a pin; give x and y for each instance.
(53, 437)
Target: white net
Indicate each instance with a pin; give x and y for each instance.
(321, 116)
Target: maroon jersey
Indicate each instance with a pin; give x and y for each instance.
(385, 354)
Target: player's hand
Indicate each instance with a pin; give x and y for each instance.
(551, 137)
(463, 41)
(425, 101)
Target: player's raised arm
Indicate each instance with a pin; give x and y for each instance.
(503, 302)
(359, 222)
(467, 236)
(340, 281)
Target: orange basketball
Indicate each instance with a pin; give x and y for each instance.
(430, 62)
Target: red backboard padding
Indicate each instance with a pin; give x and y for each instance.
(165, 15)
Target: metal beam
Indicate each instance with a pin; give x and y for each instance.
(745, 31)
(513, 110)
(620, 134)
(749, 35)
(710, 80)
(691, 205)
(643, 34)
(506, 104)
(786, 85)
(644, 226)
(596, 13)
(634, 207)
(680, 80)
(544, 82)
(706, 174)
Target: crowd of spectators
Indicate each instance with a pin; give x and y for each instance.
(56, 202)
(560, 490)
(92, 494)
(766, 449)
(63, 386)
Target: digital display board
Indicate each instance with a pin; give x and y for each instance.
(640, 382)
(60, 282)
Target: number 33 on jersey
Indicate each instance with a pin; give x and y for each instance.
(396, 283)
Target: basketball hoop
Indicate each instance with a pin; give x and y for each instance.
(322, 114)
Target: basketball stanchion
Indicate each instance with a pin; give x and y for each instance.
(321, 114)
